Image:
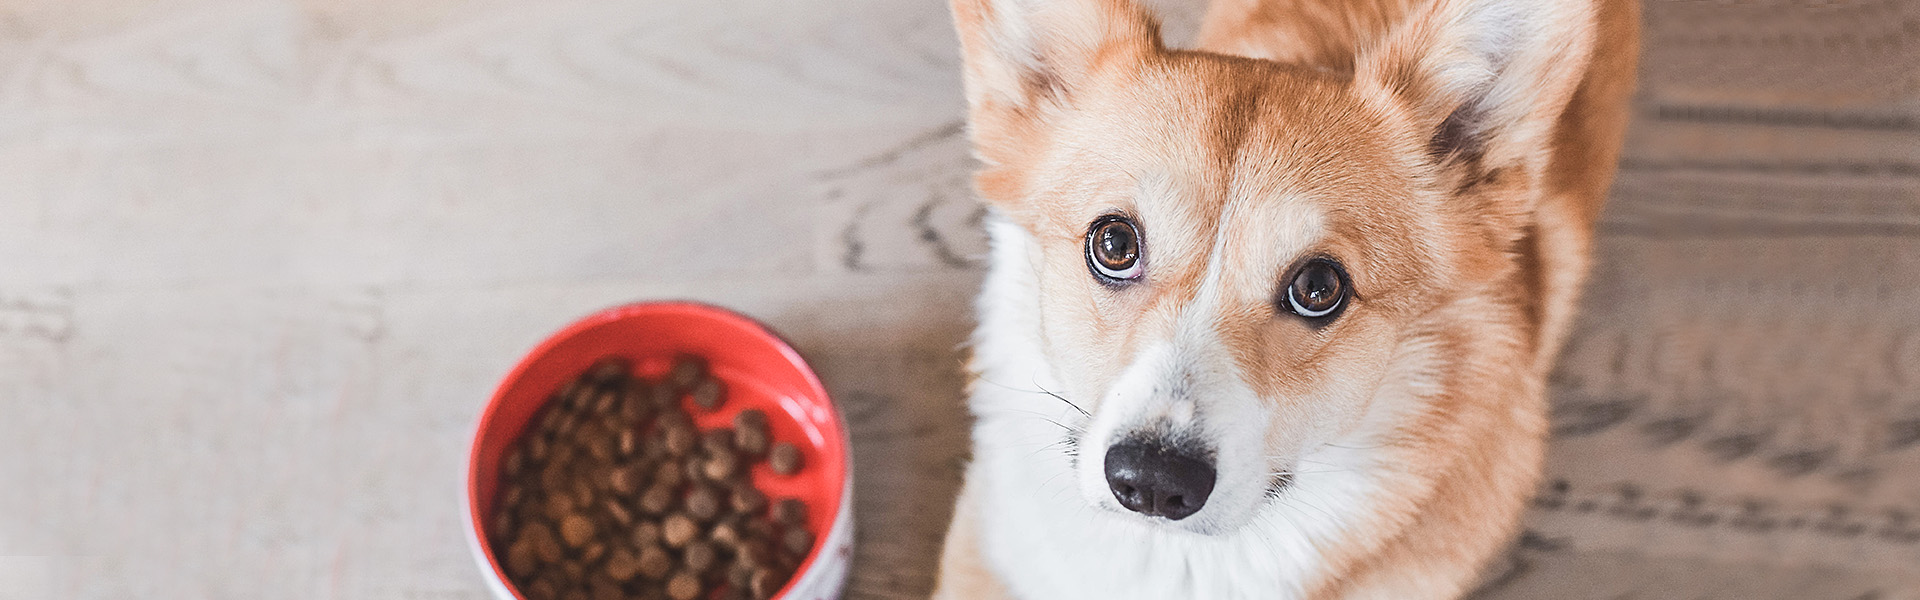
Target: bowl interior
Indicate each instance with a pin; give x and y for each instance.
(758, 369)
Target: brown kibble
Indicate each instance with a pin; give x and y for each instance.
(617, 493)
(785, 458)
(574, 588)
(699, 557)
(703, 503)
(568, 425)
(515, 463)
(678, 530)
(673, 416)
(521, 561)
(622, 565)
(546, 548)
(747, 500)
(605, 401)
(683, 586)
(628, 442)
(790, 512)
(609, 370)
(716, 441)
(752, 417)
(753, 554)
(664, 398)
(657, 501)
(739, 576)
(551, 416)
(764, 582)
(694, 469)
(530, 510)
(513, 494)
(538, 448)
(554, 478)
(636, 402)
(798, 542)
(543, 590)
(654, 448)
(646, 532)
(582, 493)
(708, 394)
(757, 529)
(669, 474)
(577, 530)
(601, 447)
(620, 515)
(725, 534)
(603, 589)
(625, 480)
(655, 562)
(577, 397)
(721, 467)
(749, 438)
(501, 526)
(681, 438)
(561, 456)
(587, 589)
(687, 370)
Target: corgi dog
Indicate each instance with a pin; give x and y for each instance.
(1272, 318)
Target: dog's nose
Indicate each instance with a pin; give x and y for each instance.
(1154, 480)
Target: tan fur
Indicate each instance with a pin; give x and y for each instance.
(1325, 105)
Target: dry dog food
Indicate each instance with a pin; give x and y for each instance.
(614, 493)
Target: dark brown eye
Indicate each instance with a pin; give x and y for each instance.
(1318, 290)
(1113, 249)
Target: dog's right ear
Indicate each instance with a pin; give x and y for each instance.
(1026, 58)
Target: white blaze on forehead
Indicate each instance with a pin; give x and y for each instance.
(1256, 241)
(1173, 228)
(1257, 232)
(1189, 383)
(1253, 241)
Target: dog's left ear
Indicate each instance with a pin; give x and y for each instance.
(1487, 79)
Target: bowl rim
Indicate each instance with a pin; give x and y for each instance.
(476, 523)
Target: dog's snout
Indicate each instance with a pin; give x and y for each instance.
(1159, 481)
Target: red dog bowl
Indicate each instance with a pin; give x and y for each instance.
(759, 370)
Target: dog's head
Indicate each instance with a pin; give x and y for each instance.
(1232, 254)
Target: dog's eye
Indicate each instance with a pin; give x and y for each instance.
(1318, 290)
(1113, 249)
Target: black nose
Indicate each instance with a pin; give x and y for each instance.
(1155, 480)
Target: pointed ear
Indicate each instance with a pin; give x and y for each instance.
(1487, 78)
(1024, 57)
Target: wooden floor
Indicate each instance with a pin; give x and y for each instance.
(262, 262)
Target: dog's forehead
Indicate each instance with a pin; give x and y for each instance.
(1225, 231)
(1265, 165)
(1320, 151)
(1263, 179)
